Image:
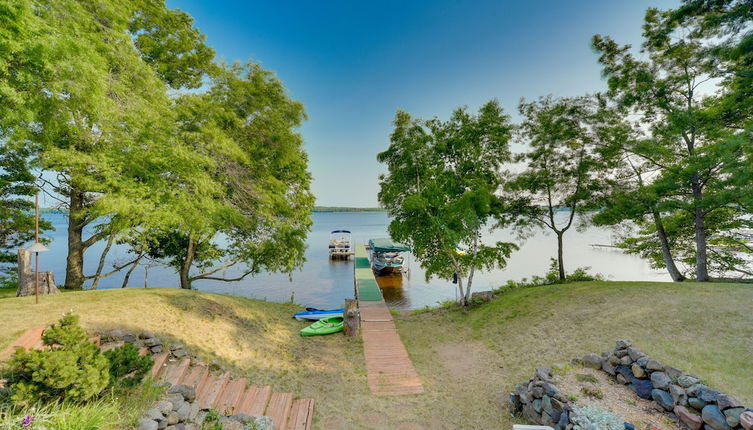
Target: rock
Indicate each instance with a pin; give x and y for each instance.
(628, 426)
(624, 343)
(635, 354)
(625, 361)
(660, 380)
(592, 360)
(608, 367)
(156, 349)
(678, 395)
(183, 411)
(179, 353)
(564, 420)
(544, 373)
(557, 405)
(643, 361)
(153, 414)
(116, 334)
(483, 296)
(172, 418)
(550, 389)
(642, 387)
(714, 418)
(638, 371)
(686, 381)
(188, 392)
(146, 335)
(194, 411)
(262, 423)
(513, 401)
(621, 379)
(164, 407)
(691, 420)
(546, 405)
(613, 360)
(152, 341)
(147, 424)
(174, 398)
(161, 424)
(707, 394)
(654, 365)
(733, 416)
(129, 338)
(576, 361)
(672, 372)
(663, 398)
(696, 403)
(625, 372)
(746, 420)
(537, 392)
(620, 353)
(725, 401)
(536, 405)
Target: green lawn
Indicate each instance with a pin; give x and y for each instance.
(467, 360)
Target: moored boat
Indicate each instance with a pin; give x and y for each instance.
(317, 314)
(385, 256)
(340, 244)
(324, 326)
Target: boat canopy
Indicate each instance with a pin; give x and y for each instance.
(387, 245)
(340, 231)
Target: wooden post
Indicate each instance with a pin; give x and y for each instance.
(350, 316)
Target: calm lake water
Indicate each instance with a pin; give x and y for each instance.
(324, 283)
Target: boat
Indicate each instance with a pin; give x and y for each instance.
(316, 314)
(340, 244)
(385, 256)
(324, 326)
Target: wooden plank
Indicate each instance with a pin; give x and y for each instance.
(195, 376)
(279, 409)
(227, 403)
(213, 391)
(159, 363)
(175, 372)
(254, 402)
(301, 415)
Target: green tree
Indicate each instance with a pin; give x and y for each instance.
(259, 212)
(695, 160)
(92, 106)
(442, 190)
(564, 165)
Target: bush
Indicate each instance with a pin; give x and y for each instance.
(550, 278)
(595, 418)
(127, 367)
(71, 369)
(96, 415)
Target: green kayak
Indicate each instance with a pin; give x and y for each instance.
(324, 326)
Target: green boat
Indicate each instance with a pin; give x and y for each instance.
(324, 326)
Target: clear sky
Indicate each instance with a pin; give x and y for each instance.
(353, 63)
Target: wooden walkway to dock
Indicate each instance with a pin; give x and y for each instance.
(389, 368)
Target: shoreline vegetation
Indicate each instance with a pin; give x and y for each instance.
(316, 209)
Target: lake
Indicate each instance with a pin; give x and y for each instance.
(324, 283)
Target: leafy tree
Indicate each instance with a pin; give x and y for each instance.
(696, 160)
(260, 203)
(564, 166)
(442, 190)
(92, 108)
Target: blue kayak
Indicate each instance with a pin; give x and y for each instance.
(317, 314)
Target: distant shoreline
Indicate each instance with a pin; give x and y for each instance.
(345, 209)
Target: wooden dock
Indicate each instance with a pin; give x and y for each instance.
(389, 368)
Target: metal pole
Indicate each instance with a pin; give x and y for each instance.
(36, 240)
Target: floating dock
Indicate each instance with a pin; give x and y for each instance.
(389, 368)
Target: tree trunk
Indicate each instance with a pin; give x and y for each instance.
(669, 261)
(185, 268)
(560, 256)
(130, 271)
(74, 269)
(102, 258)
(468, 286)
(701, 257)
(351, 318)
(27, 278)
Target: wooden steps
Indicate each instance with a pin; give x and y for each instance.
(228, 401)
(196, 376)
(255, 400)
(175, 372)
(301, 414)
(159, 362)
(279, 408)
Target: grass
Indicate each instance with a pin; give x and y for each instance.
(468, 361)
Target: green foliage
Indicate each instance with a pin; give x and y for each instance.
(212, 421)
(94, 415)
(127, 367)
(585, 377)
(71, 369)
(595, 418)
(580, 274)
(441, 190)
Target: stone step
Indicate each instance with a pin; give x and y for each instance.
(196, 376)
(254, 401)
(159, 362)
(212, 390)
(228, 402)
(279, 409)
(301, 415)
(174, 372)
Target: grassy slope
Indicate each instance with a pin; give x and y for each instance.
(467, 361)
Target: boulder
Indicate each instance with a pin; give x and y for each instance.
(707, 394)
(173, 418)
(626, 361)
(714, 418)
(153, 414)
(638, 371)
(188, 392)
(536, 405)
(608, 367)
(643, 361)
(116, 334)
(621, 353)
(696, 403)
(686, 381)
(733, 416)
(537, 392)
(482, 296)
(546, 405)
(613, 360)
(183, 411)
(262, 423)
(513, 400)
(129, 338)
(691, 420)
(592, 360)
(624, 343)
(642, 387)
(152, 341)
(164, 407)
(725, 401)
(635, 354)
(622, 380)
(672, 372)
(660, 380)
(156, 349)
(654, 365)
(147, 424)
(663, 399)
(544, 373)
(746, 420)
(146, 335)
(678, 395)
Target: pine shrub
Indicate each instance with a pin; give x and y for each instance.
(71, 368)
(127, 367)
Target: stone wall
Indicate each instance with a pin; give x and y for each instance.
(682, 396)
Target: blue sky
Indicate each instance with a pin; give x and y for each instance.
(353, 63)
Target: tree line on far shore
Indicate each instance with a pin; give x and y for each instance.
(665, 153)
(118, 112)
